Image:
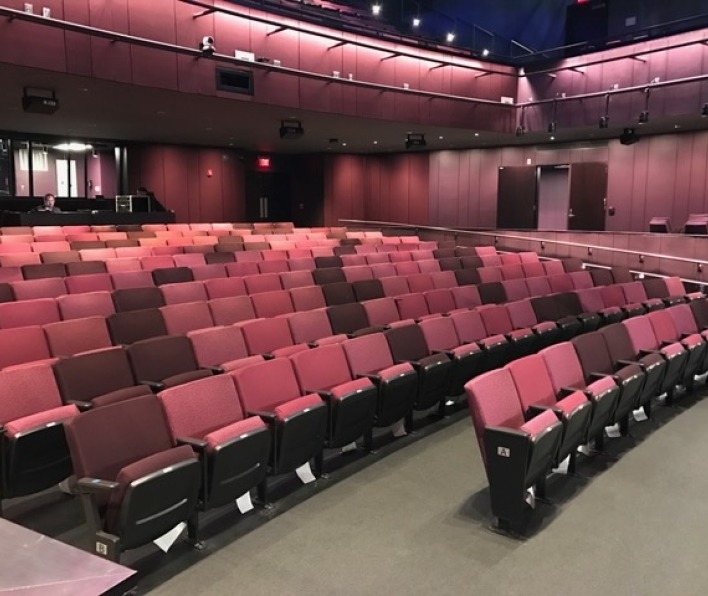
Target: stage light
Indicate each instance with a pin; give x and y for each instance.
(206, 45)
(376, 9)
(416, 21)
(450, 37)
(485, 52)
(415, 140)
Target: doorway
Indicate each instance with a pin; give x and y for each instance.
(268, 196)
(66, 178)
(553, 197)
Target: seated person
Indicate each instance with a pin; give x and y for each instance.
(49, 204)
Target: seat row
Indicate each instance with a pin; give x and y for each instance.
(535, 412)
(445, 352)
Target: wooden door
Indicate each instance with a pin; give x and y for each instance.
(516, 198)
(588, 196)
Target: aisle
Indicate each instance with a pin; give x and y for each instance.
(416, 522)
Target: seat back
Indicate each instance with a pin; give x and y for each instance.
(368, 354)
(128, 327)
(309, 326)
(533, 382)
(307, 298)
(216, 345)
(230, 310)
(159, 358)
(407, 342)
(263, 336)
(28, 312)
(265, 385)
(178, 293)
(66, 338)
(137, 299)
(493, 402)
(593, 354)
(321, 368)
(563, 366)
(181, 318)
(272, 304)
(89, 375)
(440, 333)
(26, 391)
(641, 334)
(23, 344)
(338, 293)
(197, 408)
(492, 293)
(469, 326)
(347, 318)
(367, 289)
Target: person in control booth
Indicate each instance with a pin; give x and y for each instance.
(49, 204)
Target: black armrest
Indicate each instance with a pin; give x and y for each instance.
(649, 352)
(155, 386)
(371, 377)
(96, 485)
(82, 405)
(196, 444)
(536, 409)
(268, 416)
(215, 370)
(325, 395)
(566, 391)
(502, 430)
(268, 356)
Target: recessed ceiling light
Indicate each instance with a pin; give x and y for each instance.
(553, 138)
(476, 134)
(376, 9)
(485, 52)
(344, 144)
(441, 137)
(416, 21)
(450, 37)
(376, 142)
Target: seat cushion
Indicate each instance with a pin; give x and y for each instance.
(296, 406)
(140, 469)
(571, 402)
(540, 423)
(356, 386)
(219, 437)
(21, 425)
(396, 371)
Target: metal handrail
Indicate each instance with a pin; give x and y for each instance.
(495, 235)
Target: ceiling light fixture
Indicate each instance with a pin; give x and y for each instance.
(73, 147)
(450, 37)
(376, 9)
(416, 22)
(485, 52)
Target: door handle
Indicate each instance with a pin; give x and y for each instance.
(570, 213)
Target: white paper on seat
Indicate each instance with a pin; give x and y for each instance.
(304, 473)
(244, 503)
(350, 447)
(640, 415)
(166, 541)
(399, 428)
(563, 466)
(531, 497)
(613, 431)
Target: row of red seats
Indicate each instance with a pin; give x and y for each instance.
(537, 411)
(407, 342)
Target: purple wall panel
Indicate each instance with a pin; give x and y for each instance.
(619, 186)
(661, 176)
(419, 167)
(463, 185)
(449, 187)
(488, 186)
(639, 173)
(697, 185)
(434, 189)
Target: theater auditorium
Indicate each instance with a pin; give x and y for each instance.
(353, 296)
